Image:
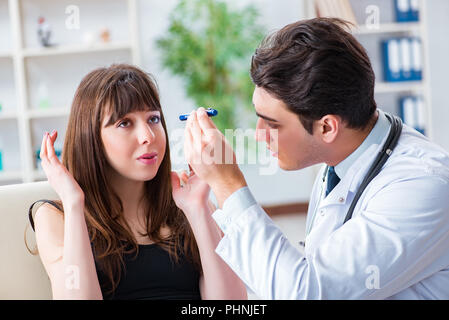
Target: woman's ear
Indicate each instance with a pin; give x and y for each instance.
(328, 127)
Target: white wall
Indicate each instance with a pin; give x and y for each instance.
(438, 37)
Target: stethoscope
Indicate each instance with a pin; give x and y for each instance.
(376, 167)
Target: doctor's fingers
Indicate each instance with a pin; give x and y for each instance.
(206, 124)
(182, 175)
(190, 153)
(198, 141)
(195, 129)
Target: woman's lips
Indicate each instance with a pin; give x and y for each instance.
(148, 158)
(148, 161)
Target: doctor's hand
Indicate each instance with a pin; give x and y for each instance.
(211, 157)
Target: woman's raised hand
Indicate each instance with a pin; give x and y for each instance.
(60, 179)
(190, 193)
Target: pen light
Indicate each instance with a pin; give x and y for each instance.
(210, 112)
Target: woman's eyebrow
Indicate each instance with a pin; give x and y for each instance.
(265, 117)
(110, 122)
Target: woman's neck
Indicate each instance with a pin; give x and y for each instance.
(131, 194)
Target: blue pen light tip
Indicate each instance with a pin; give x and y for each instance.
(211, 111)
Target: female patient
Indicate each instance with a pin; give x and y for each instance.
(120, 234)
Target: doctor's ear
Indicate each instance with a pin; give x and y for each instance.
(328, 127)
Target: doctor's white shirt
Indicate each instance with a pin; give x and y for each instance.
(395, 246)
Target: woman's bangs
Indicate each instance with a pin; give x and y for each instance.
(125, 98)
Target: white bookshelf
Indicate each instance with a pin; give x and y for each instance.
(388, 28)
(371, 36)
(22, 123)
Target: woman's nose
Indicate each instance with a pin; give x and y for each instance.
(145, 134)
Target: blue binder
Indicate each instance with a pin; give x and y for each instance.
(414, 10)
(403, 10)
(402, 59)
(405, 50)
(406, 10)
(412, 112)
(416, 56)
(391, 60)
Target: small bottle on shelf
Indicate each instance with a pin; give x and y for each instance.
(43, 98)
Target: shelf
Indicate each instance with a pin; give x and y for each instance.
(23, 62)
(10, 175)
(48, 113)
(392, 87)
(74, 49)
(8, 115)
(6, 55)
(388, 28)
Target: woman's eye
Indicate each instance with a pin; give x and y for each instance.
(155, 119)
(123, 124)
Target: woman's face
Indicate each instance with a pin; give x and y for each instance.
(135, 144)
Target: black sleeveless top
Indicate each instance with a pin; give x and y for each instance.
(152, 274)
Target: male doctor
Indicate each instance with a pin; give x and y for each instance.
(314, 88)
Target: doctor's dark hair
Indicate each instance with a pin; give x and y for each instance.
(317, 68)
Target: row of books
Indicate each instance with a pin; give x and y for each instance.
(336, 8)
(412, 111)
(402, 59)
(407, 10)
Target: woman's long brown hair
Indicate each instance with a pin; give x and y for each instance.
(116, 91)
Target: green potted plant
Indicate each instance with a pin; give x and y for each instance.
(209, 45)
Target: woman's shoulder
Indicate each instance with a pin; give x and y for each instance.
(49, 228)
(47, 213)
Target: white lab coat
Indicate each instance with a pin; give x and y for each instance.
(396, 246)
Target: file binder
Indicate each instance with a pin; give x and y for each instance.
(407, 10)
(414, 10)
(403, 10)
(402, 59)
(412, 112)
(407, 111)
(406, 63)
(421, 112)
(392, 60)
(416, 52)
